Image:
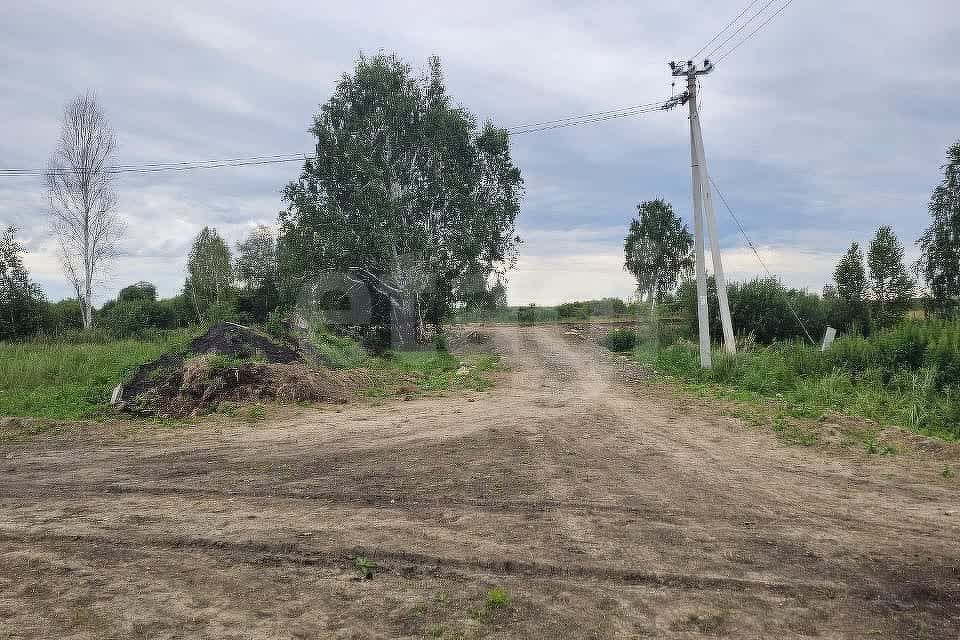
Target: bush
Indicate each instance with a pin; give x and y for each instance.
(61, 317)
(761, 307)
(908, 375)
(620, 340)
(584, 309)
(127, 318)
(337, 352)
(526, 316)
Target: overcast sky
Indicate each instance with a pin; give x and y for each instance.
(832, 120)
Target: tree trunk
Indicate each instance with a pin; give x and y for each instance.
(404, 322)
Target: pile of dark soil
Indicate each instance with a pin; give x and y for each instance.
(196, 382)
(237, 341)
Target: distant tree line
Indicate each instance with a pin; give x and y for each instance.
(869, 292)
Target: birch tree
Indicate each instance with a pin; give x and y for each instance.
(939, 263)
(209, 274)
(405, 194)
(658, 249)
(82, 201)
(889, 281)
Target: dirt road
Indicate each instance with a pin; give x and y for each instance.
(604, 509)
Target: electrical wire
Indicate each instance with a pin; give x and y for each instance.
(759, 259)
(765, 23)
(521, 131)
(740, 28)
(722, 31)
(586, 115)
(156, 167)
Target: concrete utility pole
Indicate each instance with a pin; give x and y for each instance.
(703, 210)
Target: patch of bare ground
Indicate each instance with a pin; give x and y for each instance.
(603, 507)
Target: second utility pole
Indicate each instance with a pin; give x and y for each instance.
(702, 199)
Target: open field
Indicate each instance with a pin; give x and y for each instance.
(599, 506)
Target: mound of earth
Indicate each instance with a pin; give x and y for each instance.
(237, 341)
(196, 382)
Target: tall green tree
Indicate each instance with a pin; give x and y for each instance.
(851, 290)
(405, 194)
(257, 273)
(939, 262)
(209, 276)
(658, 249)
(21, 301)
(890, 285)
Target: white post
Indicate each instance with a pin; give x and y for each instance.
(729, 341)
(703, 317)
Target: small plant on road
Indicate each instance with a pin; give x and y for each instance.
(497, 598)
(873, 447)
(364, 568)
(948, 472)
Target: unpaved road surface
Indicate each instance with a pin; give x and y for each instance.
(605, 510)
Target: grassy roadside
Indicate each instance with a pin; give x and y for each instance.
(787, 388)
(429, 372)
(65, 381)
(70, 381)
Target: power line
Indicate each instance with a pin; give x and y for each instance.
(520, 131)
(156, 167)
(721, 32)
(585, 115)
(759, 259)
(740, 28)
(765, 23)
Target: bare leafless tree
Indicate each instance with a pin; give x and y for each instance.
(82, 200)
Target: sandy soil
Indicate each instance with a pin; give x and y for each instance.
(604, 509)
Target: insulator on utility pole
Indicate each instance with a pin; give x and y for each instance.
(703, 215)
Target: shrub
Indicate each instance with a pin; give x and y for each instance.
(621, 340)
(128, 318)
(337, 352)
(497, 598)
(526, 316)
(760, 306)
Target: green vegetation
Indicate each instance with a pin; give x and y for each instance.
(621, 340)
(71, 381)
(409, 372)
(497, 598)
(253, 413)
(658, 249)
(364, 567)
(907, 376)
(586, 309)
(337, 352)
(417, 254)
(74, 380)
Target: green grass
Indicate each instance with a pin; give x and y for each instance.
(70, 381)
(337, 352)
(73, 380)
(431, 372)
(861, 378)
(497, 598)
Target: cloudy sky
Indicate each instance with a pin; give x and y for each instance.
(832, 120)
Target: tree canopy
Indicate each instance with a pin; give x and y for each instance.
(851, 290)
(658, 249)
(405, 194)
(890, 285)
(256, 270)
(939, 262)
(21, 301)
(210, 274)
